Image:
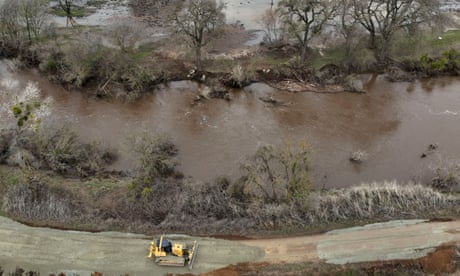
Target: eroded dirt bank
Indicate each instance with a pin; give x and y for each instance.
(47, 250)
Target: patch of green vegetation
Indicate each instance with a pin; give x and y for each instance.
(10, 176)
(328, 56)
(143, 51)
(257, 62)
(101, 184)
(76, 12)
(96, 3)
(221, 65)
(448, 38)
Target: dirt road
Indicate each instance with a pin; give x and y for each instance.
(395, 240)
(50, 251)
(80, 253)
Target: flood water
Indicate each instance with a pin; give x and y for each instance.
(394, 123)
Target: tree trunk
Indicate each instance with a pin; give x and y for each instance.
(303, 53)
(28, 30)
(198, 57)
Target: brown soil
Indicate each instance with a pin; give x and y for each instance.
(443, 261)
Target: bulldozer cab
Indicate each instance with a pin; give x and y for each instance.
(160, 248)
(167, 253)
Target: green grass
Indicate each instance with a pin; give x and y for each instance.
(224, 65)
(96, 3)
(101, 184)
(143, 51)
(449, 38)
(334, 56)
(10, 176)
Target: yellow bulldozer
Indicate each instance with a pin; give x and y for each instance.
(168, 253)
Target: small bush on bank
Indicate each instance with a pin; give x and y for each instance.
(444, 175)
(210, 200)
(447, 63)
(37, 201)
(90, 63)
(58, 149)
(61, 150)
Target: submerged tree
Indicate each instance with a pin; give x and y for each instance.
(200, 21)
(278, 175)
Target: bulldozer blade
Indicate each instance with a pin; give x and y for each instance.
(170, 261)
(194, 253)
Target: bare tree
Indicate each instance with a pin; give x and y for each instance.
(125, 34)
(382, 19)
(273, 26)
(306, 19)
(9, 20)
(347, 25)
(200, 21)
(66, 6)
(33, 16)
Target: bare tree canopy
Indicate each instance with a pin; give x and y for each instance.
(306, 19)
(9, 20)
(33, 15)
(272, 25)
(383, 18)
(200, 21)
(19, 16)
(66, 6)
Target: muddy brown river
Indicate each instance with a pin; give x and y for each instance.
(394, 123)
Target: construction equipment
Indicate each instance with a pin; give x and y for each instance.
(167, 253)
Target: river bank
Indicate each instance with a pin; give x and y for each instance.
(216, 118)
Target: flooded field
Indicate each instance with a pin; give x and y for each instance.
(394, 123)
(243, 12)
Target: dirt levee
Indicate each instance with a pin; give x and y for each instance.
(53, 251)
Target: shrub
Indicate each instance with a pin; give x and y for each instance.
(159, 200)
(61, 150)
(210, 200)
(238, 77)
(448, 62)
(445, 175)
(358, 156)
(157, 156)
(84, 62)
(37, 201)
(277, 176)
